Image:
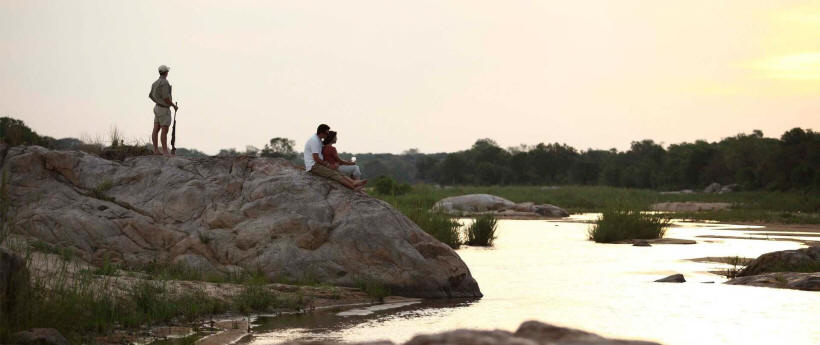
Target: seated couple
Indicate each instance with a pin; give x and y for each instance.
(323, 160)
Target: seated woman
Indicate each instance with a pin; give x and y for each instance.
(329, 153)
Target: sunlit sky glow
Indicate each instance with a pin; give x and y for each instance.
(432, 75)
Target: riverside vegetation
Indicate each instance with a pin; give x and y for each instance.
(83, 303)
(618, 224)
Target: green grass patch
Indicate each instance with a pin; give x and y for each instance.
(482, 231)
(620, 224)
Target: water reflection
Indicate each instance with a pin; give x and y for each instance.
(548, 271)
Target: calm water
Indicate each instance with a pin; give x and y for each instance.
(549, 271)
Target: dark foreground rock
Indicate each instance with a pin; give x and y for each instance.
(781, 280)
(482, 203)
(13, 281)
(529, 333)
(39, 336)
(798, 260)
(224, 215)
(675, 278)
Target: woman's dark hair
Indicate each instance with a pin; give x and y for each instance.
(329, 138)
(322, 128)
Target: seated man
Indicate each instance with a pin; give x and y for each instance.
(330, 154)
(315, 164)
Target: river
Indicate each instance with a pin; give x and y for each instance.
(549, 271)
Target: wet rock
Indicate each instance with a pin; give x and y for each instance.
(641, 243)
(13, 281)
(798, 260)
(675, 278)
(529, 333)
(781, 280)
(222, 214)
(39, 336)
(481, 203)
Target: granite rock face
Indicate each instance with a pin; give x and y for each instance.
(223, 215)
(482, 203)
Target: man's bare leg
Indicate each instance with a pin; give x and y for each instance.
(165, 140)
(154, 138)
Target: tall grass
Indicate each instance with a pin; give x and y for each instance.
(621, 224)
(438, 224)
(81, 304)
(482, 231)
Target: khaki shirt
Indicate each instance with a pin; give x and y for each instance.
(160, 90)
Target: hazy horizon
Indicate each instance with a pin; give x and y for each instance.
(436, 76)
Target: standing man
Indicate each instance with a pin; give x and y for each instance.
(315, 163)
(161, 95)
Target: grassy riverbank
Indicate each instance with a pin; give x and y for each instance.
(87, 303)
(751, 206)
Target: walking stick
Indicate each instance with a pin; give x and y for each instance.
(174, 132)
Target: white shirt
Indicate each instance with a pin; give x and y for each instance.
(313, 145)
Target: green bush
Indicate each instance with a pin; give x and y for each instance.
(385, 185)
(482, 231)
(618, 224)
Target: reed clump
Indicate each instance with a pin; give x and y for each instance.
(482, 231)
(621, 224)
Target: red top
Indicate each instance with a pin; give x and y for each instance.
(330, 155)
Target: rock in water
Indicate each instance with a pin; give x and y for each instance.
(675, 278)
(474, 203)
(225, 214)
(39, 336)
(529, 333)
(477, 203)
(798, 260)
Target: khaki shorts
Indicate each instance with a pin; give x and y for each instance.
(322, 171)
(162, 116)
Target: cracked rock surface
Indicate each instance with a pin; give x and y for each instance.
(223, 215)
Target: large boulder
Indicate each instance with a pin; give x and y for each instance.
(798, 260)
(529, 333)
(482, 203)
(225, 214)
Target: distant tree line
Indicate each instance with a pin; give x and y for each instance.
(751, 161)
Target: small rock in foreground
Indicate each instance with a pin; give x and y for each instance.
(675, 278)
(529, 333)
(39, 336)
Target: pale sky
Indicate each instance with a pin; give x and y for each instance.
(432, 75)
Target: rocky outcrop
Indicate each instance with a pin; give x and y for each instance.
(781, 280)
(798, 260)
(529, 333)
(225, 214)
(483, 203)
(689, 206)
